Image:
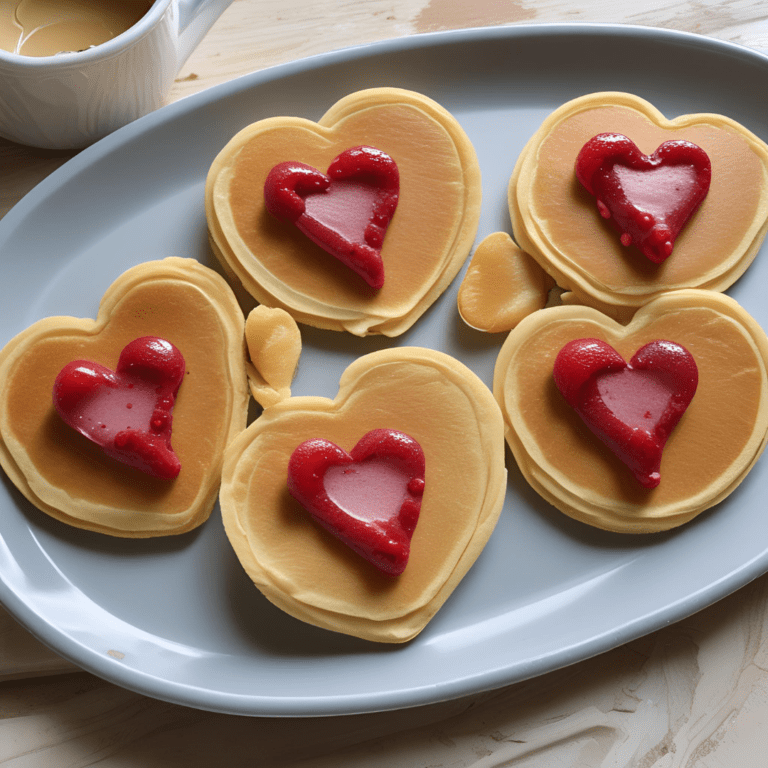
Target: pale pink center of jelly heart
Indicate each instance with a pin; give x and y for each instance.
(345, 208)
(112, 409)
(371, 490)
(634, 397)
(658, 190)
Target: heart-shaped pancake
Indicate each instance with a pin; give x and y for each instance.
(650, 198)
(632, 407)
(369, 498)
(426, 242)
(311, 574)
(69, 477)
(712, 448)
(554, 217)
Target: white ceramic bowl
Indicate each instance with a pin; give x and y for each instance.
(70, 100)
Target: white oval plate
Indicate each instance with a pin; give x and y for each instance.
(177, 618)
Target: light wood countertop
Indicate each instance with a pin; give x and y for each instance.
(692, 695)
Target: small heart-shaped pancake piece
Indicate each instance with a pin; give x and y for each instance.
(632, 407)
(502, 285)
(369, 498)
(649, 197)
(273, 340)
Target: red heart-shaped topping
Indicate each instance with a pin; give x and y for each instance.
(632, 407)
(369, 498)
(127, 412)
(649, 197)
(345, 212)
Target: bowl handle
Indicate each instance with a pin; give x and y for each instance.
(196, 17)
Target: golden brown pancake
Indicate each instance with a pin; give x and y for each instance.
(710, 451)
(309, 573)
(556, 220)
(426, 243)
(70, 478)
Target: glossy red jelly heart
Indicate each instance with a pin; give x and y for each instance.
(632, 407)
(346, 211)
(370, 498)
(127, 412)
(649, 197)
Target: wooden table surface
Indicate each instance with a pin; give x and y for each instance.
(692, 695)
